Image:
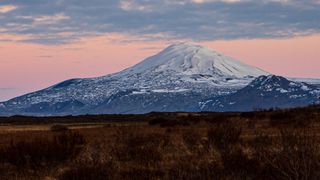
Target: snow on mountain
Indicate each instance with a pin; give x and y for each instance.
(176, 79)
(266, 92)
(192, 59)
(306, 80)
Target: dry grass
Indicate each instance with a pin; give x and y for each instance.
(260, 145)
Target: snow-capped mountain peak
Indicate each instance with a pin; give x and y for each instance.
(268, 81)
(190, 59)
(176, 79)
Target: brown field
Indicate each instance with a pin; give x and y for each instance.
(273, 144)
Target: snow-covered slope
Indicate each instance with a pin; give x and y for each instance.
(266, 92)
(306, 80)
(176, 79)
(191, 59)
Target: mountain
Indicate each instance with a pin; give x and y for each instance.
(266, 92)
(191, 59)
(179, 78)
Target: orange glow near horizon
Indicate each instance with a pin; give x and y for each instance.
(26, 67)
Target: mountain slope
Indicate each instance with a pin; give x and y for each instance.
(179, 78)
(176, 72)
(190, 59)
(266, 92)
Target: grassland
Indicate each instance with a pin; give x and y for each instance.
(269, 144)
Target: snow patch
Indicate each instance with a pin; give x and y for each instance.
(169, 91)
(282, 90)
(305, 88)
(295, 96)
(138, 92)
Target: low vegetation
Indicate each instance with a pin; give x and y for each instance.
(59, 128)
(270, 144)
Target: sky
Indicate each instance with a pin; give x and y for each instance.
(43, 42)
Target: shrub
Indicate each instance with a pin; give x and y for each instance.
(294, 118)
(42, 152)
(224, 135)
(192, 139)
(157, 121)
(296, 156)
(142, 173)
(59, 128)
(169, 122)
(261, 141)
(189, 170)
(237, 164)
(137, 147)
(88, 171)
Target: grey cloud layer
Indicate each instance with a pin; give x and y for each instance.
(63, 21)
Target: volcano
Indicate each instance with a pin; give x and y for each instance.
(182, 77)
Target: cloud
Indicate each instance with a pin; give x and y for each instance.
(53, 19)
(209, 1)
(132, 6)
(65, 21)
(5, 9)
